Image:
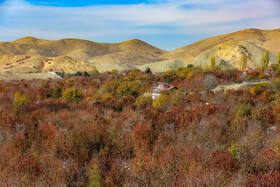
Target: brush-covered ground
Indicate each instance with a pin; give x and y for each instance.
(101, 131)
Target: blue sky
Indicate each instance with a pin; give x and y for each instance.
(167, 24)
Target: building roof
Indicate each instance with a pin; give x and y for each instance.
(165, 88)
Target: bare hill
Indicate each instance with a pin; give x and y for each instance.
(230, 47)
(33, 55)
(133, 52)
(12, 64)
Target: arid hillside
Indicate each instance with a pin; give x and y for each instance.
(76, 53)
(229, 48)
(32, 55)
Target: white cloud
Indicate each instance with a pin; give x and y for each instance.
(19, 18)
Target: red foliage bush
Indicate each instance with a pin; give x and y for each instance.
(28, 164)
(143, 137)
(271, 178)
(266, 160)
(222, 160)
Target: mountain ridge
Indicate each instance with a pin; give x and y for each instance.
(135, 53)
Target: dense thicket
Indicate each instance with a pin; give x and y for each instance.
(102, 131)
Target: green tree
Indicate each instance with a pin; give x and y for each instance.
(73, 94)
(57, 92)
(144, 101)
(21, 99)
(95, 177)
(212, 63)
(243, 62)
(161, 101)
(70, 82)
(148, 70)
(129, 88)
(265, 61)
(278, 59)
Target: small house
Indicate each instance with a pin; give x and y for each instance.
(160, 87)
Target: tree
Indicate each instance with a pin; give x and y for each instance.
(94, 177)
(265, 61)
(148, 70)
(74, 94)
(21, 99)
(190, 66)
(57, 92)
(243, 62)
(278, 59)
(144, 101)
(212, 63)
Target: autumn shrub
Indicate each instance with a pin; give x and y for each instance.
(21, 99)
(222, 160)
(271, 178)
(235, 151)
(262, 115)
(70, 82)
(94, 176)
(244, 110)
(144, 101)
(143, 137)
(162, 100)
(57, 92)
(129, 88)
(266, 160)
(47, 136)
(73, 94)
(257, 89)
(28, 164)
(275, 84)
(276, 113)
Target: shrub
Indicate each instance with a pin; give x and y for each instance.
(148, 70)
(21, 99)
(271, 178)
(275, 84)
(70, 82)
(73, 94)
(144, 101)
(161, 101)
(223, 160)
(57, 92)
(276, 113)
(28, 164)
(257, 89)
(129, 88)
(234, 150)
(266, 160)
(244, 110)
(94, 177)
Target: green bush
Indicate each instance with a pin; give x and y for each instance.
(244, 110)
(161, 101)
(57, 92)
(144, 101)
(21, 99)
(73, 94)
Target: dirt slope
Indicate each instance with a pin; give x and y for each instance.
(133, 52)
(230, 47)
